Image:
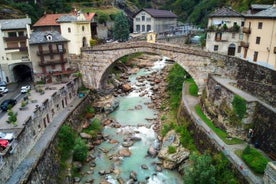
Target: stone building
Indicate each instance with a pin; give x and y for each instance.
(49, 53)
(223, 33)
(259, 40)
(158, 21)
(14, 57)
(48, 22)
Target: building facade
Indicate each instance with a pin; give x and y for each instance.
(75, 28)
(224, 32)
(259, 40)
(158, 21)
(49, 56)
(15, 64)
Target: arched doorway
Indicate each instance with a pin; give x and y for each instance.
(84, 42)
(22, 73)
(231, 49)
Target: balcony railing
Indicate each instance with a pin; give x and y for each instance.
(246, 30)
(244, 44)
(17, 48)
(18, 38)
(47, 52)
(53, 62)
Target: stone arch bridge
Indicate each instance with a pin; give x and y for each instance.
(96, 60)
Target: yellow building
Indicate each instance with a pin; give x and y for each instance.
(259, 37)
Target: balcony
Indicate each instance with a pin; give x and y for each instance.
(53, 62)
(17, 48)
(18, 38)
(246, 30)
(244, 44)
(47, 52)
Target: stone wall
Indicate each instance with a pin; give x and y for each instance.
(34, 126)
(270, 173)
(47, 169)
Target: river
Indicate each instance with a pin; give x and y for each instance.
(137, 135)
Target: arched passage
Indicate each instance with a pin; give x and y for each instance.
(84, 42)
(231, 49)
(22, 73)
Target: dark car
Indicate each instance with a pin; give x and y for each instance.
(6, 104)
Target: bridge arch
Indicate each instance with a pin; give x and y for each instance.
(95, 61)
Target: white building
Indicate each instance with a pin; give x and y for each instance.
(224, 32)
(14, 57)
(158, 21)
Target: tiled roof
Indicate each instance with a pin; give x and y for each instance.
(41, 37)
(225, 12)
(158, 13)
(268, 13)
(48, 20)
(260, 6)
(89, 15)
(7, 24)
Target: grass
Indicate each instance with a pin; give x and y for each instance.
(193, 89)
(222, 134)
(109, 10)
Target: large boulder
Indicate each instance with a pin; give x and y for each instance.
(172, 160)
(126, 87)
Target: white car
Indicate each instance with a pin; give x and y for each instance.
(25, 89)
(3, 89)
(7, 136)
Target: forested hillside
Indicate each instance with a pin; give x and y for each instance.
(193, 11)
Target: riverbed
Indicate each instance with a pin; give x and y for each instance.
(123, 156)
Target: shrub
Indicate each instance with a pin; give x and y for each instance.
(66, 137)
(80, 150)
(92, 42)
(239, 106)
(171, 149)
(254, 159)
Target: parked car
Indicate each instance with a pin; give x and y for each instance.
(3, 144)
(3, 83)
(25, 89)
(3, 89)
(7, 136)
(6, 104)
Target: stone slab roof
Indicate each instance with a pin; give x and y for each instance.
(8, 24)
(48, 20)
(158, 13)
(73, 18)
(225, 12)
(268, 13)
(40, 37)
(260, 6)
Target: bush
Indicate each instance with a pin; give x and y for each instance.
(66, 137)
(80, 150)
(254, 159)
(239, 106)
(92, 42)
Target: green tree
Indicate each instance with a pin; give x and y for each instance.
(201, 170)
(121, 28)
(66, 137)
(80, 150)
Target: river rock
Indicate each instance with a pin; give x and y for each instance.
(144, 166)
(171, 161)
(127, 143)
(113, 141)
(134, 138)
(126, 87)
(125, 152)
(152, 151)
(76, 179)
(85, 135)
(120, 180)
(158, 168)
(133, 175)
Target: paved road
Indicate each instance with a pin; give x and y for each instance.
(228, 150)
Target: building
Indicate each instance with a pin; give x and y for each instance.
(14, 57)
(259, 40)
(75, 28)
(158, 21)
(49, 53)
(224, 32)
(48, 22)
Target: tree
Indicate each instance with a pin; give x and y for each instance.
(201, 170)
(121, 28)
(80, 150)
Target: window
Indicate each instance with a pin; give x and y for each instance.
(143, 28)
(82, 28)
(215, 47)
(69, 30)
(218, 36)
(258, 40)
(138, 29)
(260, 25)
(239, 49)
(242, 23)
(255, 57)
(148, 28)
(12, 34)
(137, 19)
(143, 18)
(233, 35)
(21, 33)
(148, 19)
(60, 48)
